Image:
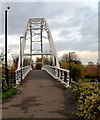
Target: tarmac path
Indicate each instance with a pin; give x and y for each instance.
(40, 96)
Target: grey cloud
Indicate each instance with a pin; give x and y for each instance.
(1, 41)
(21, 12)
(74, 45)
(16, 46)
(65, 32)
(84, 21)
(13, 46)
(68, 20)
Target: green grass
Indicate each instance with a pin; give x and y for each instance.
(85, 80)
(7, 94)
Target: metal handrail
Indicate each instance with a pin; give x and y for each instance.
(58, 73)
(25, 70)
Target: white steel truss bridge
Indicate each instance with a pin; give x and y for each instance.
(40, 95)
(38, 32)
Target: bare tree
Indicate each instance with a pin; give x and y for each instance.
(2, 57)
(15, 61)
(64, 57)
(72, 58)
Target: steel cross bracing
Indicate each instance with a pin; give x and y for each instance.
(37, 27)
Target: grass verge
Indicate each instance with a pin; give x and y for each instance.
(7, 94)
(85, 80)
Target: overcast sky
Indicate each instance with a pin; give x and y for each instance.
(74, 25)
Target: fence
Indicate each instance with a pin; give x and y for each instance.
(58, 73)
(25, 70)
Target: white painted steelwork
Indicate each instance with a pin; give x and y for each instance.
(36, 26)
(25, 70)
(60, 74)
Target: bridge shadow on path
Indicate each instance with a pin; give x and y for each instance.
(40, 96)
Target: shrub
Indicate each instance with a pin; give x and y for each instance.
(77, 71)
(63, 64)
(88, 98)
(4, 84)
(8, 94)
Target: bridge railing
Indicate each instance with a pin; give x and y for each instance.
(58, 73)
(24, 70)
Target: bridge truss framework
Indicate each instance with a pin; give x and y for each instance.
(37, 27)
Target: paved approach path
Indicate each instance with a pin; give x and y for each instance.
(40, 96)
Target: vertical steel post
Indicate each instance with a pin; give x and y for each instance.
(70, 68)
(55, 60)
(41, 38)
(65, 76)
(61, 74)
(30, 44)
(20, 60)
(6, 67)
(41, 42)
(58, 73)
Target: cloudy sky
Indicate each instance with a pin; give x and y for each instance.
(74, 25)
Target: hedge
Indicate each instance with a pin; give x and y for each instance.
(88, 100)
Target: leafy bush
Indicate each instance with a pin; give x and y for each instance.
(75, 90)
(88, 98)
(63, 64)
(77, 71)
(7, 94)
(5, 87)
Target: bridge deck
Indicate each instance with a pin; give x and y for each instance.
(40, 96)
